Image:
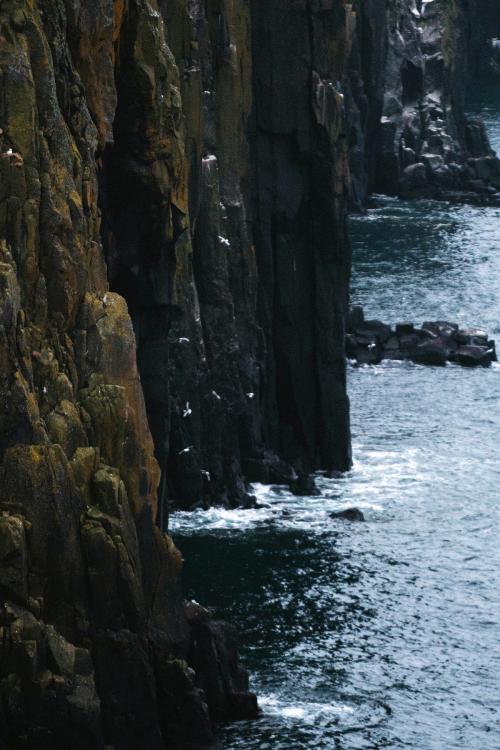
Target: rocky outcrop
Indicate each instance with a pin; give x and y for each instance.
(235, 270)
(408, 131)
(263, 334)
(95, 639)
(369, 342)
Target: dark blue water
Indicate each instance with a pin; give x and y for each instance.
(384, 634)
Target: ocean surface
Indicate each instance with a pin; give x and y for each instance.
(382, 634)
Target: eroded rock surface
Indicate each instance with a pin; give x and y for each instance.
(94, 637)
(409, 136)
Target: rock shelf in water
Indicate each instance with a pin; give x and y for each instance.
(434, 343)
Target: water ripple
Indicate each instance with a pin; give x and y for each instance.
(383, 634)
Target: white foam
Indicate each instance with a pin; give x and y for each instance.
(374, 486)
(305, 712)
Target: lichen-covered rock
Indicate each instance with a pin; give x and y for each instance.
(91, 614)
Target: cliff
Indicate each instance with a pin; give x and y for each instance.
(408, 132)
(174, 269)
(173, 274)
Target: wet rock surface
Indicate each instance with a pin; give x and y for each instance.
(349, 514)
(410, 66)
(435, 343)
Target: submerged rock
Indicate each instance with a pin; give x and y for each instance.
(350, 514)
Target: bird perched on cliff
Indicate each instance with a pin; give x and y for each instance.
(187, 411)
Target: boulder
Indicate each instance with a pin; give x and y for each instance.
(473, 356)
(414, 179)
(431, 353)
(433, 161)
(351, 346)
(392, 343)
(471, 336)
(409, 343)
(404, 328)
(374, 329)
(434, 344)
(440, 328)
(368, 354)
(304, 486)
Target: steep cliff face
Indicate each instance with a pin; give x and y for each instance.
(483, 31)
(172, 223)
(94, 632)
(300, 156)
(259, 324)
(174, 271)
(408, 132)
(234, 260)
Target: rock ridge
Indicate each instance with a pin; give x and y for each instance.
(436, 343)
(410, 69)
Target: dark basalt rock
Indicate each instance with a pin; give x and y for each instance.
(409, 343)
(355, 318)
(213, 656)
(440, 328)
(434, 353)
(405, 329)
(304, 486)
(350, 514)
(174, 274)
(435, 344)
(409, 69)
(471, 336)
(414, 181)
(473, 356)
(269, 469)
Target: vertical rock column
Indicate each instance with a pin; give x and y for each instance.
(300, 158)
(408, 130)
